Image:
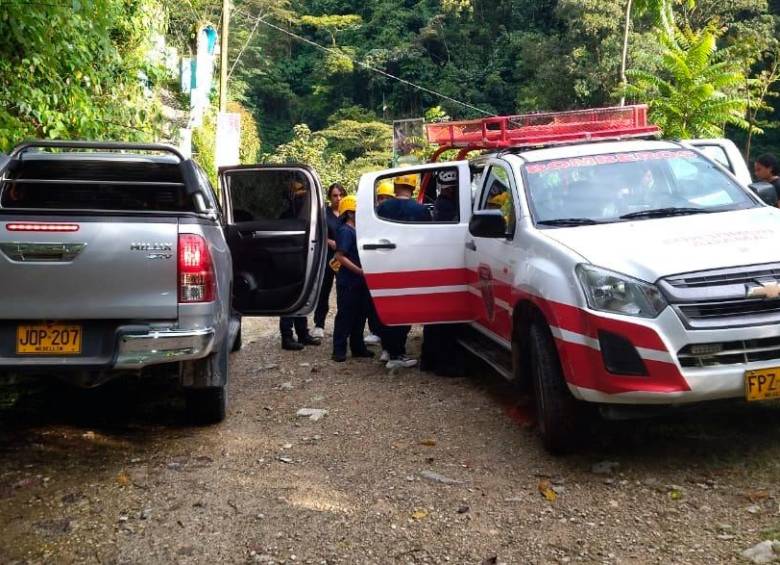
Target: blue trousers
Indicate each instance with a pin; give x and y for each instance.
(352, 302)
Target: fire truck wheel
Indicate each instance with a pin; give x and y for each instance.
(556, 408)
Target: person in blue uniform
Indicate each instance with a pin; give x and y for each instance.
(351, 291)
(445, 207)
(335, 193)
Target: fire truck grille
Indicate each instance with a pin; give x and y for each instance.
(725, 277)
(729, 353)
(719, 299)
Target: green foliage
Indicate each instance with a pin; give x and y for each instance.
(355, 139)
(332, 24)
(204, 143)
(77, 70)
(310, 149)
(696, 91)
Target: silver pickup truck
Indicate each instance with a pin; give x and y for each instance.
(121, 258)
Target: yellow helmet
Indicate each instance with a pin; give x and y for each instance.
(385, 188)
(348, 204)
(499, 199)
(407, 180)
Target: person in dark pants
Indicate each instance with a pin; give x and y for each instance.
(351, 291)
(335, 193)
(296, 208)
(767, 169)
(300, 323)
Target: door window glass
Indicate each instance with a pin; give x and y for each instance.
(258, 196)
(497, 195)
(397, 197)
(717, 154)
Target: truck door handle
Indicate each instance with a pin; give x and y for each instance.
(471, 245)
(266, 234)
(383, 245)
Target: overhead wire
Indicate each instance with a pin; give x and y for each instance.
(243, 48)
(360, 64)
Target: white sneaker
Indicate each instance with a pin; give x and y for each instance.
(385, 357)
(372, 339)
(401, 362)
(318, 332)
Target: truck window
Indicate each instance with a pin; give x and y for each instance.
(497, 195)
(396, 197)
(282, 195)
(604, 188)
(99, 184)
(717, 154)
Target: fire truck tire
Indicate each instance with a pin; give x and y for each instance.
(556, 409)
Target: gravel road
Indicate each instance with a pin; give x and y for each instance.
(403, 468)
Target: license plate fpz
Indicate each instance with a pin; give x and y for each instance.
(763, 384)
(48, 339)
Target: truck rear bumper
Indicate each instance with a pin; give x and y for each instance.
(136, 351)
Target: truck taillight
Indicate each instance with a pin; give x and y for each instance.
(196, 271)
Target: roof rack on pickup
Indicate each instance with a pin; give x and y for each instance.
(546, 128)
(104, 145)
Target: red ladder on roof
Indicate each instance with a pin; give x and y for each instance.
(547, 128)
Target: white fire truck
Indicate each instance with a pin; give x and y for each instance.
(590, 261)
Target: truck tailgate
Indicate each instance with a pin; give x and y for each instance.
(111, 267)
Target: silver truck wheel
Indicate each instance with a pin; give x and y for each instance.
(237, 342)
(206, 405)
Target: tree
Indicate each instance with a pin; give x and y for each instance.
(695, 92)
(70, 70)
(759, 90)
(311, 149)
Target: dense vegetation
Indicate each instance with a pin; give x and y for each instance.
(702, 65)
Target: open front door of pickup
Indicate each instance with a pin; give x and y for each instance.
(277, 237)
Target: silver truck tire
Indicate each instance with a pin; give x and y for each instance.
(206, 398)
(237, 342)
(206, 405)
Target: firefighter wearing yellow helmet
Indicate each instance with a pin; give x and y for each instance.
(347, 204)
(351, 291)
(384, 190)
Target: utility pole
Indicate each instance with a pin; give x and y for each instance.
(223, 55)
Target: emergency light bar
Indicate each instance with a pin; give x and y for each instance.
(547, 128)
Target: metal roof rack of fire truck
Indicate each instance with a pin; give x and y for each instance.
(540, 129)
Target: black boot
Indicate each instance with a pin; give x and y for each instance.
(309, 339)
(289, 344)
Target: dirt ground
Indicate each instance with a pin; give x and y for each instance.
(114, 475)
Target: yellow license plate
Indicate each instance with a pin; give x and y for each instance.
(48, 339)
(763, 384)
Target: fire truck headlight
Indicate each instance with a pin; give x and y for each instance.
(608, 291)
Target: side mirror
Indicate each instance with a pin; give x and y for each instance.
(765, 192)
(488, 223)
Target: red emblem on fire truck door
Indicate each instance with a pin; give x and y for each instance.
(486, 287)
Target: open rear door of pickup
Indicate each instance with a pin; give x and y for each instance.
(416, 268)
(277, 237)
(725, 153)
